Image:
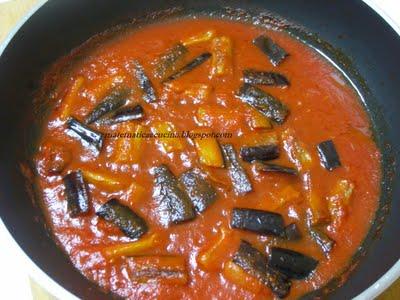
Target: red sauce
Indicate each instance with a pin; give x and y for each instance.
(322, 106)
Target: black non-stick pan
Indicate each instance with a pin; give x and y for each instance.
(360, 42)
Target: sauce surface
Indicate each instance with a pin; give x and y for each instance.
(322, 107)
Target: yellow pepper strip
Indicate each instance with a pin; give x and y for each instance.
(199, 38)
(129, 149)
(339, 200)
(213, 115)
(343, 190)
(71, 97)
(222, 56)
(197, 92)
(208, 259)
(301, 158)
(101, 178)
(238, 276)
(296, 150)
(259, 121)
(139, 247)
(287, 195)
(209, 151)
(166, 130)
(260, 138)
(135, 193)
(202, 116)
(318, 205)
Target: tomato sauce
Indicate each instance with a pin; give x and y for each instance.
(322, 107)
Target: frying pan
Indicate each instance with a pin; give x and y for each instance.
(365, 48)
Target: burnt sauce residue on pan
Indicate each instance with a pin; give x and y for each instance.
(187, 207)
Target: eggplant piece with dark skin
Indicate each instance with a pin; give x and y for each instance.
(240, 180)
(76, 194)
(292, 232)
(255, 263)
(258, 221)
(265, 103)
(86, 135)
(149, 93)
(175, 204)
(328, 155)
(263, 152)
(273, 168)
(265, 78)
(292, 264)
(110, 103)
(322, 239)
(189, 66)
(200, 191)
(275, 53)
(169, 62)
(132, 225)
(123, 114)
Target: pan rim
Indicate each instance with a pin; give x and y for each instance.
(387, 279)
(32, 269)
(57, 290)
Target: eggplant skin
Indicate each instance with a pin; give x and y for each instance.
(240, 181)
(265, 103)
(293, 264)
(328, 155)
(124, 114)
(265, 78)
(200, 191)
(273, 168)
(168, 62)
(145, 84)
(174, 203)
(189, 66)
(275, 53)
(88, 136)
(110, 103)
(264, 152)
(132, 225)
(76, 193)
(292, 232)
(259, 221)
(255, 263)
(322, 239)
